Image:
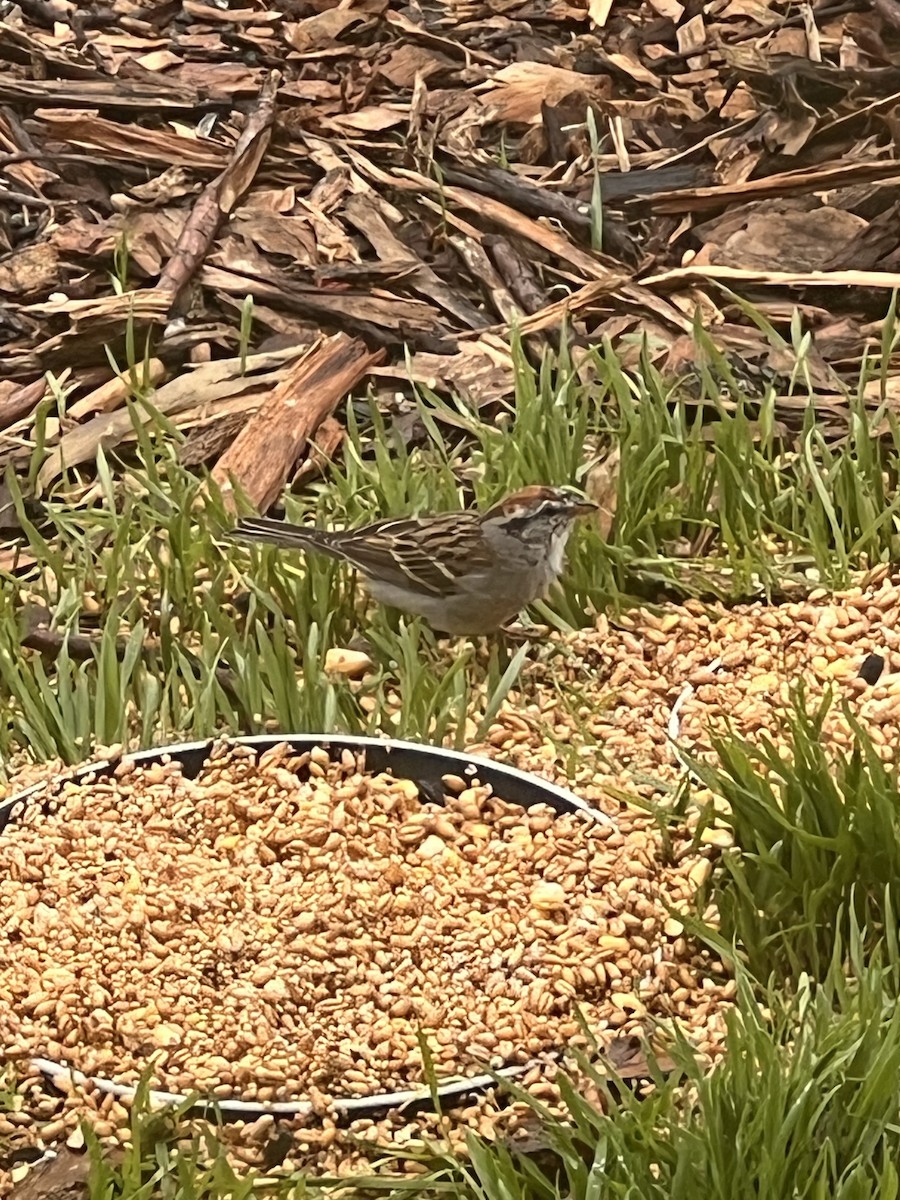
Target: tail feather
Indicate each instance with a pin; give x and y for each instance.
(279, 533)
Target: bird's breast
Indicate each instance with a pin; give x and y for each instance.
(557, 555)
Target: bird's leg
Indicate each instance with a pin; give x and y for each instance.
(523, 629)
(514, 634)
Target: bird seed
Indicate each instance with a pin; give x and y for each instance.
(288, 927)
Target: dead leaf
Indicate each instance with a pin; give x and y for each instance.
(520, 92)
(602, 486)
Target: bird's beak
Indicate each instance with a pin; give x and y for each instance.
(581, 507)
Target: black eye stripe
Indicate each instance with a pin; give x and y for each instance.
(549, 512)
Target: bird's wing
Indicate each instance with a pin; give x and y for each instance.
(428, 554)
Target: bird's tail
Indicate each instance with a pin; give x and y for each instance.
(279, 533)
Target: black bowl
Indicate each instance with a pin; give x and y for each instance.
(426, 766)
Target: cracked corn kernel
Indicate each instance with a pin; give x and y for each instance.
(284, 928)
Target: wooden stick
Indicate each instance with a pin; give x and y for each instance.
(219, 197)
(261, 458)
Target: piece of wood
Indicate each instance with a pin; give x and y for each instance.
(111, 394)
(326, 442)
(22, 402)
(64, 1177)
(261, 458)
(482, 269)
(205, 384)
(522, 194)
(218, 198)
(517, 274)
(787, 183)
(808, 279)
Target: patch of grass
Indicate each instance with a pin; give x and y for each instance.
(817, 845)
(194, 635)
(770, 507)
(165, 1158)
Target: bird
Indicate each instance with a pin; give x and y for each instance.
(466, 572)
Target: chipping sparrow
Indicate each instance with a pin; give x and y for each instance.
(464, 572)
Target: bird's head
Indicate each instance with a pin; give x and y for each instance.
(554, 506)
(541, 519)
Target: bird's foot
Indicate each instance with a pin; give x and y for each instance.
(522, 631)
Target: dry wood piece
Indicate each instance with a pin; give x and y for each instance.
(261, 458)
(285, 927)
(325, 443)
(206, 385)
(19, 402)
(64, 1177)
(701, 199)
(218, 199)
(517, 273)
(475, 258)
(112, 394)
(808, 279)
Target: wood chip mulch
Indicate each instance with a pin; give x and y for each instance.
(396, 187)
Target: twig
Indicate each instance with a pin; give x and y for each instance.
(220, 196)
(82, 647)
